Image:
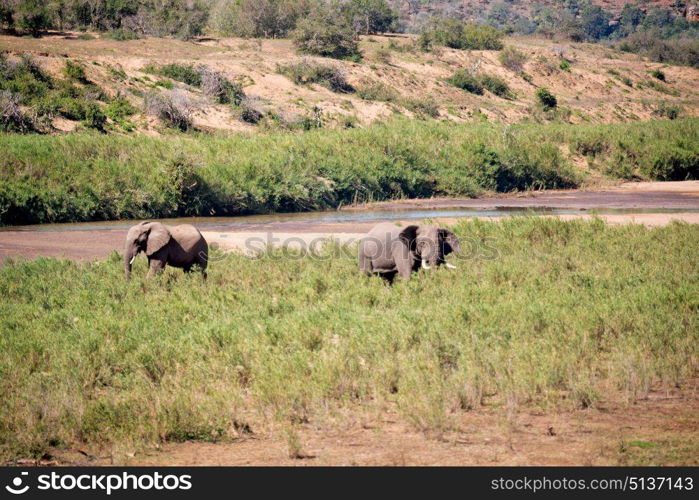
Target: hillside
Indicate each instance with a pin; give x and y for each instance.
(599, 85)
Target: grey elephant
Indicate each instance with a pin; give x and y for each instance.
(180, 246)
(388, 249)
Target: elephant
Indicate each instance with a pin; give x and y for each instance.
(180, 246)
(389, 249)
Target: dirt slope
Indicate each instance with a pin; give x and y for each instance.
(594, 88)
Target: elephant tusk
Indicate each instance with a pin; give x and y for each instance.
(132, 259)
(450, 266)
(424, 265)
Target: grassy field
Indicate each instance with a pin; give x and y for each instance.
(86, 176)
(567, 314)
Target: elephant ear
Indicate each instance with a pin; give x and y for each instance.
(409, 235)
(449, 241)
(158, 237)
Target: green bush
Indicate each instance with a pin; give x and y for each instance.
(564, 65)
(306, 71)
(74, 71)
(475, 84)
(455, 34)
(495, 84)
(546, 98)
(185, 73)
(118, 110)
(467, 81)
(322, 33)
(656, 73)
(93, 116)
(121, 35)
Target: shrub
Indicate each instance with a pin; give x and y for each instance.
(119, 107)
(172, 107)
(422, 108)
(680, 51)
(307, 71)
(512, 59)
(324, 34)
(495, 84)
(656, 73)
(377, 92)
(117, 74)
(455, 34)
(11, 116)
(185, 73)
(121, 35)
(217, 86)
(74, 71)
(93, 117)
(465, 80)
(669, 111)
(564, 65)
(249, 110)
(546, 98)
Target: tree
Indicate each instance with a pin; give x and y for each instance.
(370, 16)
(257, 18)
(594, 22)
(325, 32)
(33, 15)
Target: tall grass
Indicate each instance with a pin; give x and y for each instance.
(90, 176)
(565, 315)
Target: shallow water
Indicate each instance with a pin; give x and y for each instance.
(335, 216)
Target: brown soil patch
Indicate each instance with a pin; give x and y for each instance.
(662, 429)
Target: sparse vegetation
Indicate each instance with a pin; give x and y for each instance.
(377, 91)
(185, 73)
(476, 83)
(546, 98)
(218, 87)
(512, 58)
(495, 84)
(465, 80)
(656, 73)
(553, 313)
(173, 107)
(307, 71)
(74, 71)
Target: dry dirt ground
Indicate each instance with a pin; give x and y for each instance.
(592, 90)
(662, 429)
(95, 240)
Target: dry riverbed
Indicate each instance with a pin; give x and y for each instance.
(641, 203)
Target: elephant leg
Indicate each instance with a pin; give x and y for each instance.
(405, 268)
(203, 263)
(156, 266)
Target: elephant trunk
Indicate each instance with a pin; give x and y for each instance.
(129, 257)
(424, 264)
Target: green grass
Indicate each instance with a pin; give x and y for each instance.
(566, 315)
(88, 176)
